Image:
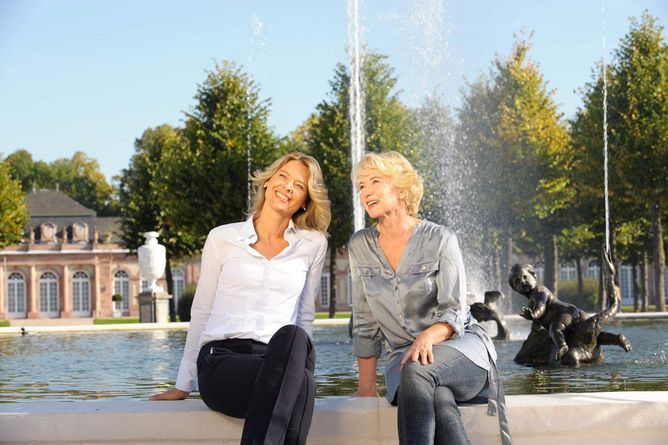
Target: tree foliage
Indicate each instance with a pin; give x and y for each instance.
(520, 149)
(139, 199)
(78, 177)
(387, 126)
(13, 213)
(203, 182)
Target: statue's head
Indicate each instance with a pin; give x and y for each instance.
(522, 278)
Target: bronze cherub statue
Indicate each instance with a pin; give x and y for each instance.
(573, 337)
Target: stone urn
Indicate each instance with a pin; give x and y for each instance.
(152, 261)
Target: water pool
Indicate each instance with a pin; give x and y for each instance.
(133, 365)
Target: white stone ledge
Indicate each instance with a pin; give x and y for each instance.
(613, 418)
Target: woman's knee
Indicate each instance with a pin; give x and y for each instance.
(414, 374)
(291, 332)
(292, 339)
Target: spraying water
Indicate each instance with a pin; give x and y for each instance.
(356, 100)
(257, 43)
(605, 134)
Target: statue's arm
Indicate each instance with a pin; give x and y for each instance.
(539, 298)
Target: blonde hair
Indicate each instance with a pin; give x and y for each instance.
(401, 173)
(317, 214)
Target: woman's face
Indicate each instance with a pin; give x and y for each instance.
(377, 194)
(287, 190)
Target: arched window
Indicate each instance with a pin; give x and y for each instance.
(122, 287)
(81, 294)
(48, 294)
(178, 283)
(16, 296)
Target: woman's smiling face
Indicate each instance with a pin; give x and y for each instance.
(377, 194)
(287, 190)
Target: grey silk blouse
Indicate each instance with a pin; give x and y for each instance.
(429, 286)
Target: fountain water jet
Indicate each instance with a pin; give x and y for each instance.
(356, 98)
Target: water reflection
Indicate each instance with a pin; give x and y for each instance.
(134, 365)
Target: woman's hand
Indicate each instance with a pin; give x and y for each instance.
(422, 347)
(170, 394)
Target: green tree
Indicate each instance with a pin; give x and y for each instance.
(13, 213)
(79, 177)
(521, 149)
(139, 197)
(639, 108)
(387, 125)
(203, 182)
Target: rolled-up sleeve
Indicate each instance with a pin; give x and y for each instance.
(205, 294)
(306, 309)
(365, 327)
(451, 282)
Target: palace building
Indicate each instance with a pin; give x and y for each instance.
(70, 264)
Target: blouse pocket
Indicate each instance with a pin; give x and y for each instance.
(371, 280)
(423, 275)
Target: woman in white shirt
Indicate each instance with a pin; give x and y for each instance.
(248, 348)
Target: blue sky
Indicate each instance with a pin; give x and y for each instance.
(91, 76)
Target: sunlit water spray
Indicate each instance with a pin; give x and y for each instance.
(605, 132)
(443, 158)
(257, 42)
(356, 100)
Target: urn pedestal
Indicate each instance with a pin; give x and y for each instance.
(153, 307)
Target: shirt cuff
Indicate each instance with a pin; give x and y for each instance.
(364, 347)
(186, 380)
(456, 319)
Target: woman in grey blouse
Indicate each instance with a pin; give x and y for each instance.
(409, 288)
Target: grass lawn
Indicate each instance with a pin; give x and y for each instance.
(119, 320)
(321, 315)
(629, 308)
(4, 323)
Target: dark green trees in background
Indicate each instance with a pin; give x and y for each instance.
(203, 181)
(187, 181)
(79, 177)
(639, 108)
(387, 126)
(638, 152)
(13, 214)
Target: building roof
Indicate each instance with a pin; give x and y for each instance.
(54, 203)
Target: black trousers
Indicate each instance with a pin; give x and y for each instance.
(270, 385)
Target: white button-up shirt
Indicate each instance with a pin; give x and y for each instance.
(241, 294)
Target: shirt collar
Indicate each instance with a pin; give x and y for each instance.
(247, 232)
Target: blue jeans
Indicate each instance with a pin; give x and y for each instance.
(428, 396)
